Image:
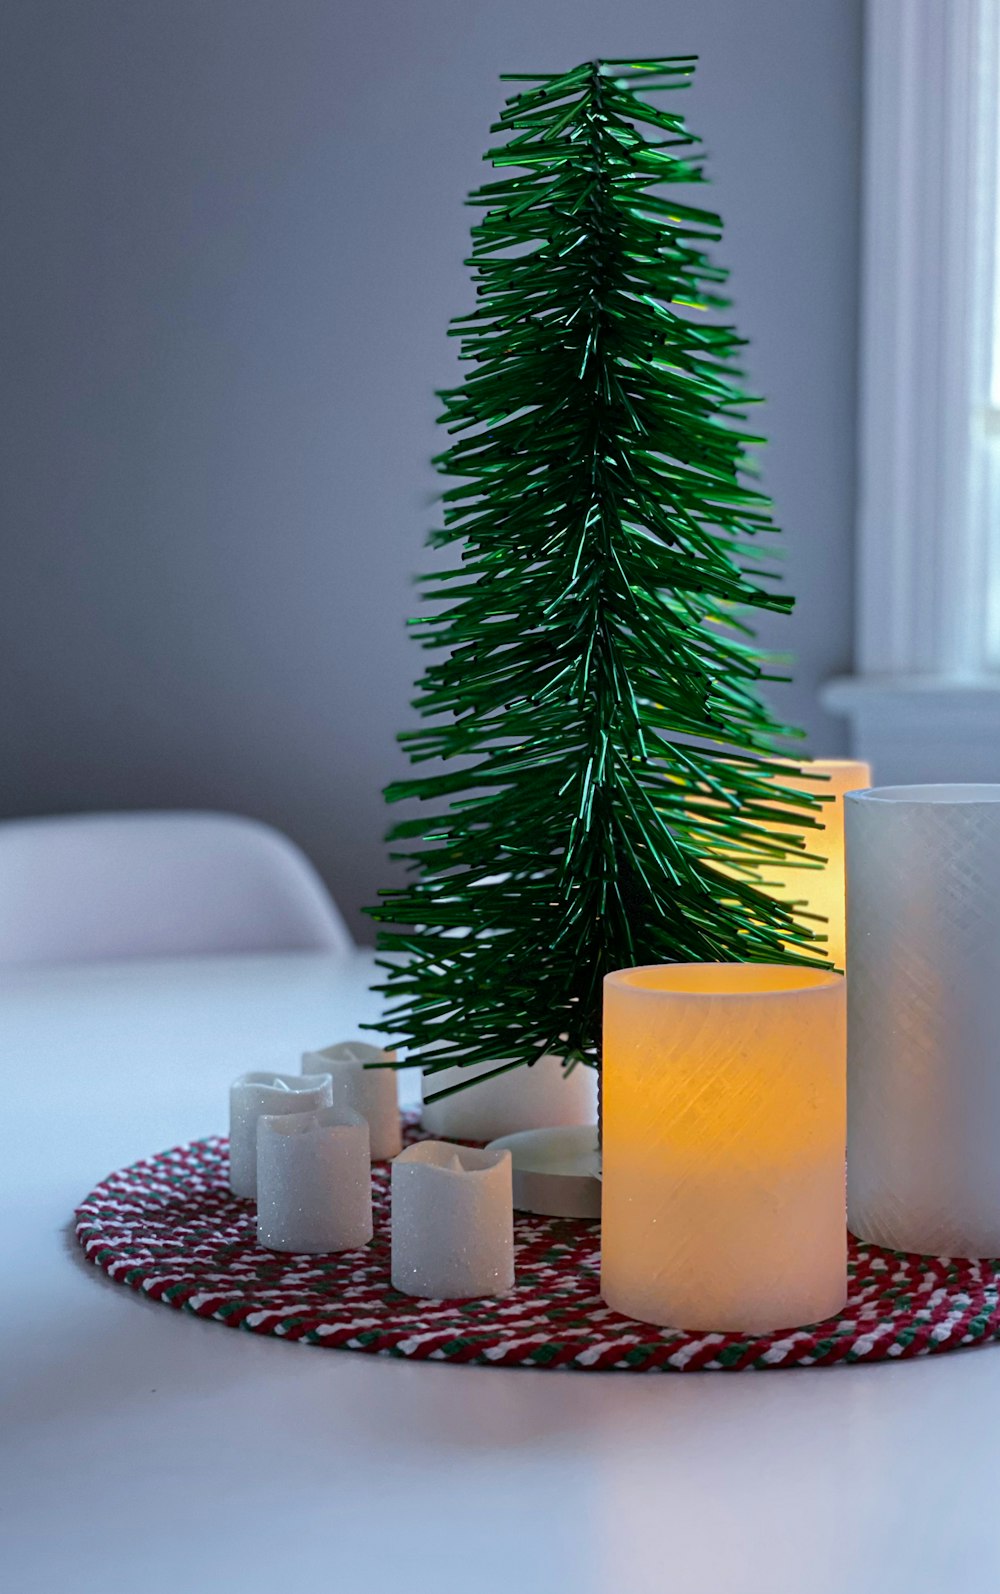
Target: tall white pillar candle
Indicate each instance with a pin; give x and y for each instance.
(923, 1018)
(370, 1091)
(314, 1181)
(254, 1094)
(452, 1222)
(543, 1096)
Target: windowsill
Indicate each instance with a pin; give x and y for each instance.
(923, 692)
(922, 727)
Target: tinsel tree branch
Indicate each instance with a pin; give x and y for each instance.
(603, 779)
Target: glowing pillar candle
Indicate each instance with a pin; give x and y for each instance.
(923, 1018)
(723, 1200)
(821, 891)
(452, 1222)
(254, 1094)
(370, 1091)
(543, 1096)
(314, 1181)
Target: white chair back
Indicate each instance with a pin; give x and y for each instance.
(97, 886)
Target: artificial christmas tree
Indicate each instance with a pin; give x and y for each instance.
(603, 780)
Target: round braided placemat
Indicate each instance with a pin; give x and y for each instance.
(171, 1228)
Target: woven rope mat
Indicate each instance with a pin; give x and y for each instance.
(170, 1228)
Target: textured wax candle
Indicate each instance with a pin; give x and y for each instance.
(723, 1202)
(543, 1096)
(821, 891)
(370, 1091)
(452, 1221)
(254, 1094)
(314, 1181)
(923, 1025)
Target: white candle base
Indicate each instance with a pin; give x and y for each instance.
(555, 1171)
(250, 1097)
(452, 1222)
(314, 1181)
(372, 1092)
(543, 1096)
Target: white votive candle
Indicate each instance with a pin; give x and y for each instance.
(452, 1221)
(370, 1091)
(314, 1181)
(254, 1094)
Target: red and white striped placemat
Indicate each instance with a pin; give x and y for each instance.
(170, 1228)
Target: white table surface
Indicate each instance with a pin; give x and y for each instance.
(143, 1450)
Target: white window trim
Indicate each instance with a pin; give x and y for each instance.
(924, 697)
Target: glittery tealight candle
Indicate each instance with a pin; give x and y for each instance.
(254, 1094)
(452, 1221)
(370, 1091)
(314, 1181)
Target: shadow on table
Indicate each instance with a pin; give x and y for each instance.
(447, 1407)
(127, 1350)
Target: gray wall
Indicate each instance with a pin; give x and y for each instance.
(231, 239)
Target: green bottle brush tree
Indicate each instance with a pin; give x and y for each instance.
(598, 777)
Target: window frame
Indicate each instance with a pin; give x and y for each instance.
(927, 681)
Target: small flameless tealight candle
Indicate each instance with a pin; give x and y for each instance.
(314, 1181)
(254, 1094)
(370, 1091)
(723, 1199)
(452, 1222)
